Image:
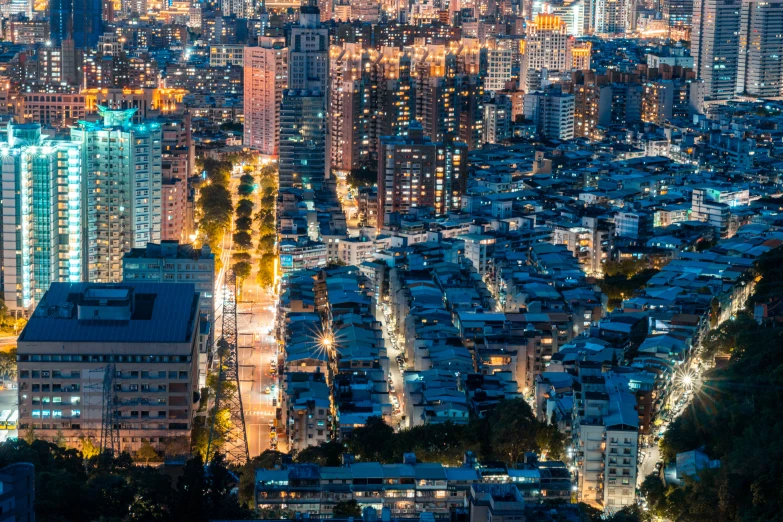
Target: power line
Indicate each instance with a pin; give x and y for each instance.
(227, 433)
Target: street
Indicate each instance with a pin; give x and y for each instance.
(390, 342)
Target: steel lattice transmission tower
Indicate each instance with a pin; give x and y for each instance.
(231, 440)
(110, 437)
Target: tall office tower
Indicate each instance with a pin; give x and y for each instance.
(760, 71)
(715, 47)
(414, 172)
(308, 56)
(611, 16)
(547, 46)
(41, 227)
(266, 77)
(580, 56)
(79, 20)
(121, 180)
(498, 69)
(679, 15)
(302, 149)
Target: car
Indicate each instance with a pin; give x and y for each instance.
(274, 401)
(271, 423)
(268, 390)
(391, 388)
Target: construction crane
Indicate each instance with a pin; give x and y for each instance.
(227, 433)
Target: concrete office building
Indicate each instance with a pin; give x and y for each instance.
(121, 187)
(172, 262)
(147, 334)
(266, 77)
(42, 215)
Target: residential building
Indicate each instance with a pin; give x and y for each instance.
(414, 172)
(715, 47)
(760, 72)
(266, 77)
(121, 183)
(552, 111)
(42, 215)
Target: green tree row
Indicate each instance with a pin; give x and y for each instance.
(70, 487)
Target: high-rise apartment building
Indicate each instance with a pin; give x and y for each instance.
(302, 149)
(498, 69)
(145, 334)
(308, 54)
(497, 119)
(715, 47)
(612, 16)
(42, 215)
(760, 69)
(121, 186)
(548, 46)
(605, 434)
(266, 77)
(415, 172)
(79, 20)
(303, 129)
(553, 113)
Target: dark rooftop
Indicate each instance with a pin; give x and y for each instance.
(121, 312)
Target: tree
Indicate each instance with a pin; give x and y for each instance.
(513, 430)
(244, 223)
(89, 449)
(59, 439)
(246, 190)
(146, 453)
(8, 364)
(243, 240)
(269, 459)
(242, 270)
(325, 454)
(244, 208)
(29, 435)
(370, 442)
(247, 179)
(266, 270)
(266, 244)
(365, 176)
(241, 256)
(347, 508)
